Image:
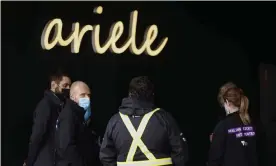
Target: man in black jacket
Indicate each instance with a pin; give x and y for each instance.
(76, 144)
(142, 134)
(41, 146)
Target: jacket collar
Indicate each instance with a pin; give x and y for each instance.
(76, 108)
(52, 97)
(131, 106)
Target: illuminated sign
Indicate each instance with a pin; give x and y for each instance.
(116, 31)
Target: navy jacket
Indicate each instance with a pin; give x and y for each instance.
(161, 136)
(41, 146)
(233, 143)
(76, 143)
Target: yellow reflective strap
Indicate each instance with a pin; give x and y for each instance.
(132, 132)
(156, 162)
(132, 150)
(140, 132)
(136, 135)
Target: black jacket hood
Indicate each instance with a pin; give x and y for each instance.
(52, 97)
(134, 107)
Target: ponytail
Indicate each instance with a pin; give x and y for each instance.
(244, 110)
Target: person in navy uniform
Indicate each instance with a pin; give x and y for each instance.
(76, 143)
(141, 134)
(41, 146)
(222, 90)
(234, 138)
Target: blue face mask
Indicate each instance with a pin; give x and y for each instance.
(87, 114)
(85, 104)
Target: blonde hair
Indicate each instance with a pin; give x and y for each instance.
(222, 91)
(235, 96)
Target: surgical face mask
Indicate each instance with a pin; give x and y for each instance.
(87, 114)
(84, 103)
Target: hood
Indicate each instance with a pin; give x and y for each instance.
(52, 97)
(134, 107)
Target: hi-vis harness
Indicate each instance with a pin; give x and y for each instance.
(136, 135)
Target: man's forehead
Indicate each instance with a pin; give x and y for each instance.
(83, 89)
(66, 79)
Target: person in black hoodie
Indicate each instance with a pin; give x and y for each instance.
(142, 134)
(76, 143)
(234, 138)
(41, 145)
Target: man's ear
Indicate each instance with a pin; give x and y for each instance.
(72, 97)
(53, 85)
(226, 101)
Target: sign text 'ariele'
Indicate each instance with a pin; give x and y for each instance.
(116, 31)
